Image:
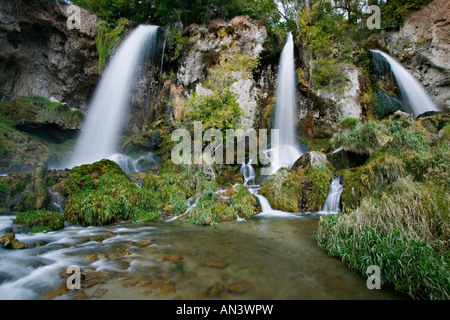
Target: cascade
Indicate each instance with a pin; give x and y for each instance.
(107, 111)
(414, 98)
(332, 203)
(287, 151)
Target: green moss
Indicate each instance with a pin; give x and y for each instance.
(321, 179)
(363, 138)
(4, 186)
(283, 190)
(209, 211)
(40, 221)
(101, 194)
(349, 123)
(108, 39)
(244, 203)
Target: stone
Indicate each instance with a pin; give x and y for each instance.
(9, 241)
(52, 62)
(240, 287)
(173, 258)
(215, 290)
(217, 264)
(142, 243)
(313, 159)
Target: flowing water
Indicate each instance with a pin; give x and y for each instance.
(415, 99)
(107, 111)
(260, 258)
(333, 202)
(287, 151)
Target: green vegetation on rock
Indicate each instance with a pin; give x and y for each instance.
(40, 221)
(397, 207)
(283, 190)
(321, 180)
(101, 194)
(108, 39)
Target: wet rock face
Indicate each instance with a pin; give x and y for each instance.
(320, 111)
(423, 44)
(40, 55)
(204, 50)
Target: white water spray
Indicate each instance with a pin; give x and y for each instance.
(287, 152)
(413, 95)
(107, 111)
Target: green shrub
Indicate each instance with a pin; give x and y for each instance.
(40, 221)
(108, 39)
(349, 123)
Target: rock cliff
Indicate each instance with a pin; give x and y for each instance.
(40, 55)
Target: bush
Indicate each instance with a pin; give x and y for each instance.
(40, 221)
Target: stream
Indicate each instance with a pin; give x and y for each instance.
(265, 257)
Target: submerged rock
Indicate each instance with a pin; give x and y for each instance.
(9, 241)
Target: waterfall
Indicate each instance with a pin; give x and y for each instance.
(248, 172)
(332, 203)
(107, 110)
(414, 98)
(287, 151)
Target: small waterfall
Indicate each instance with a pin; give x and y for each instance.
(57, 201)
(287, 152)
(107, 110)
(248, 172)
(414, 97)
(263, 202)
(140, 164)
(333, 201)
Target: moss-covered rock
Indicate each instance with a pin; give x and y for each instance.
(38, 111)
(101, 194)
(18, 151)
(40, 220)
(283, 190)
(209, 210)
(321, 178)
(9, 241)
(244, 203)
(370, 179)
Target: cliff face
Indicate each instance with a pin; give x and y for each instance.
(423, 45)
(40, 55)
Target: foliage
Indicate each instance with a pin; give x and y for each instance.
(283, 190)
(408, 264)
(366, 137)
(108, 39)
(321, 179)
(349, 123)
(166, 13)
(101, 194)
(394, 12)
(40, 221)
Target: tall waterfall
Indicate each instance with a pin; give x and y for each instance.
(287, 151)
(414, 97)
(107, 111)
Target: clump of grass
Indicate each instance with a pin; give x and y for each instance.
(101, 194)
(40, 221)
